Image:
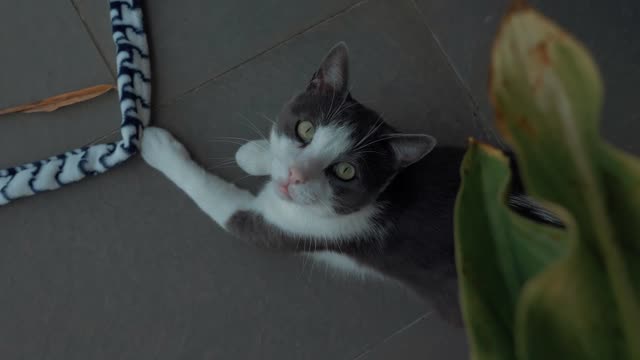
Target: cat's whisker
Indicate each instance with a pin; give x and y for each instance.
(333, 96)
(242, 139)
(305, 257)
(227, 142)
(258, 132)
(337, 244)
(227, 160)
(328, 206)
(330, 111)
(242, 178)
(357, 146)
(230, 161)
(253, 127)
(330, 108)
(220, 167)
(264, 116)
(314, 243)
(383, 138)
(371, 131)
(232, 138)
(369, 152)
(344, 99)
(340, 109)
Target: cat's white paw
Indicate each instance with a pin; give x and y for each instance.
(160, 149)
(254, 158)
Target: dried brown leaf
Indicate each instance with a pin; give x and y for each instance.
(58, 101)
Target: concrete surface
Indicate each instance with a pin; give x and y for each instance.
(123, 266)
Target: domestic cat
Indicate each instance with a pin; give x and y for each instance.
(344, 186)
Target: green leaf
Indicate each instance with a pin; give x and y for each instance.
(621, 176)
(497, 252)
(563, 314)
(547, 94)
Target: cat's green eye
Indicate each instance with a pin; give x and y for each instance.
(345, 171)
(305, 131)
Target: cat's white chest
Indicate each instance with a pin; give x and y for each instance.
(343, 263)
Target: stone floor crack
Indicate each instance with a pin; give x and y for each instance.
(265, 52)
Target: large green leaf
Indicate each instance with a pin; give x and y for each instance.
(564, 314)
(621, 176)
(547, 95)
(497, 251)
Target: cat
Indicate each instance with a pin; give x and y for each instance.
(345, 187)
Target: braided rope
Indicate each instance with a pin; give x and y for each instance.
(134, 89)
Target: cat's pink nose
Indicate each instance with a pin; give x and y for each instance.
(295, 176)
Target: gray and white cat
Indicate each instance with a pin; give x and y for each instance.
(344, 185)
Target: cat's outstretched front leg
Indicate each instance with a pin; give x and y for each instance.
(215, 196)
(254, 158)
(236, 210)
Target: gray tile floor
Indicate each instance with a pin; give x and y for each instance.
(123, 266)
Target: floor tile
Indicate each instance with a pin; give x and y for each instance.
(29, 137)
(125, 266)
(49, 53)
(396, 68)
(195, 40)
(416, 91)
(426, 338)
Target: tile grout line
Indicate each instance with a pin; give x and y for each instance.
(106, 63)
(264, 52)
(487, 130)
(395, 333)
(441, 48)
(217, 76)
(93, 40)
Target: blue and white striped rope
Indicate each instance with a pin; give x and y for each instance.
(134, 89)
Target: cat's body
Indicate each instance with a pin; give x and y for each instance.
(413, 237)
(344, 187)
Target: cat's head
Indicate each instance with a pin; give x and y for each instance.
(331, 152)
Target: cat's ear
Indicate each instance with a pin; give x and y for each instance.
(410, 148)
(333, 74)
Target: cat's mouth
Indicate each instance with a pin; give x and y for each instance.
(293, 193)
(283, 190)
